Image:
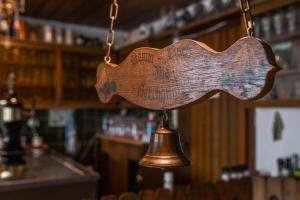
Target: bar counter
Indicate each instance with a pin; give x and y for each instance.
(50, 177)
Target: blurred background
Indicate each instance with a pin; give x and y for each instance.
(69, 145)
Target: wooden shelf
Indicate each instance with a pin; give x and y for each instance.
(122, 140)
(273, 103)
(84, 104)
(47, 46)
(284, 37)
(286, 72)
(200, 24)
(58, 100)
(258, 8)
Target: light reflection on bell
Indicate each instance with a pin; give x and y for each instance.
(165, 150)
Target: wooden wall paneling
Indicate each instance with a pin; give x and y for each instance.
(224, 150)
(217, 134)
(196, 152)
(185, 120)
(194, 143)
(231, 35)
(235, 31)
(215, 42)
(207, 141)
(196, 148)
(232, 114)
(215, 140)
(241, 134)
(198, 121)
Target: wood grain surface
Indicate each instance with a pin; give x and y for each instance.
(189, 71)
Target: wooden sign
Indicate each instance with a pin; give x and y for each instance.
(189, 71)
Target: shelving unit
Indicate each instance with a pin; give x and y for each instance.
(56, 76)
(71, 84)
(258, 8)
(197, 27)
(285, 72)
(284, 37)
(273, 103)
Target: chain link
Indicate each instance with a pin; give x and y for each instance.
(248, 19)
(110, 37)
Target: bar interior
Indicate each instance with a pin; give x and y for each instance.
(149, 100)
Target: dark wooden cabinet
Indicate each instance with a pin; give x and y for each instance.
(119, 167)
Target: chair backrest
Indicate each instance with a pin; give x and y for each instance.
(208, 191)
(146, 195)
(180, 192)
(109, 197)
(196, 191)
(193, 191)
(162, 194)
(128, 196)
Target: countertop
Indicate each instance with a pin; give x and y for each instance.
(48, 170)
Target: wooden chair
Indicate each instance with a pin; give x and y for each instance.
(109, 197)
(198, 191)
(129, 196)
(146, 195)
(162, 194)
(193, 191)
(208, 191)
(180, 192)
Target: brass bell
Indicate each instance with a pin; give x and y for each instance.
(164, 149)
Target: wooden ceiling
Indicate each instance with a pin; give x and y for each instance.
(95, 12)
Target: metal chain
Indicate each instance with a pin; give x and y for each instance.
(248, 19)
(110, 37)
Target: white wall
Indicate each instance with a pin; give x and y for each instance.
(267, 151)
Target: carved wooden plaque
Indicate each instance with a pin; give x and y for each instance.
(189, 71)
